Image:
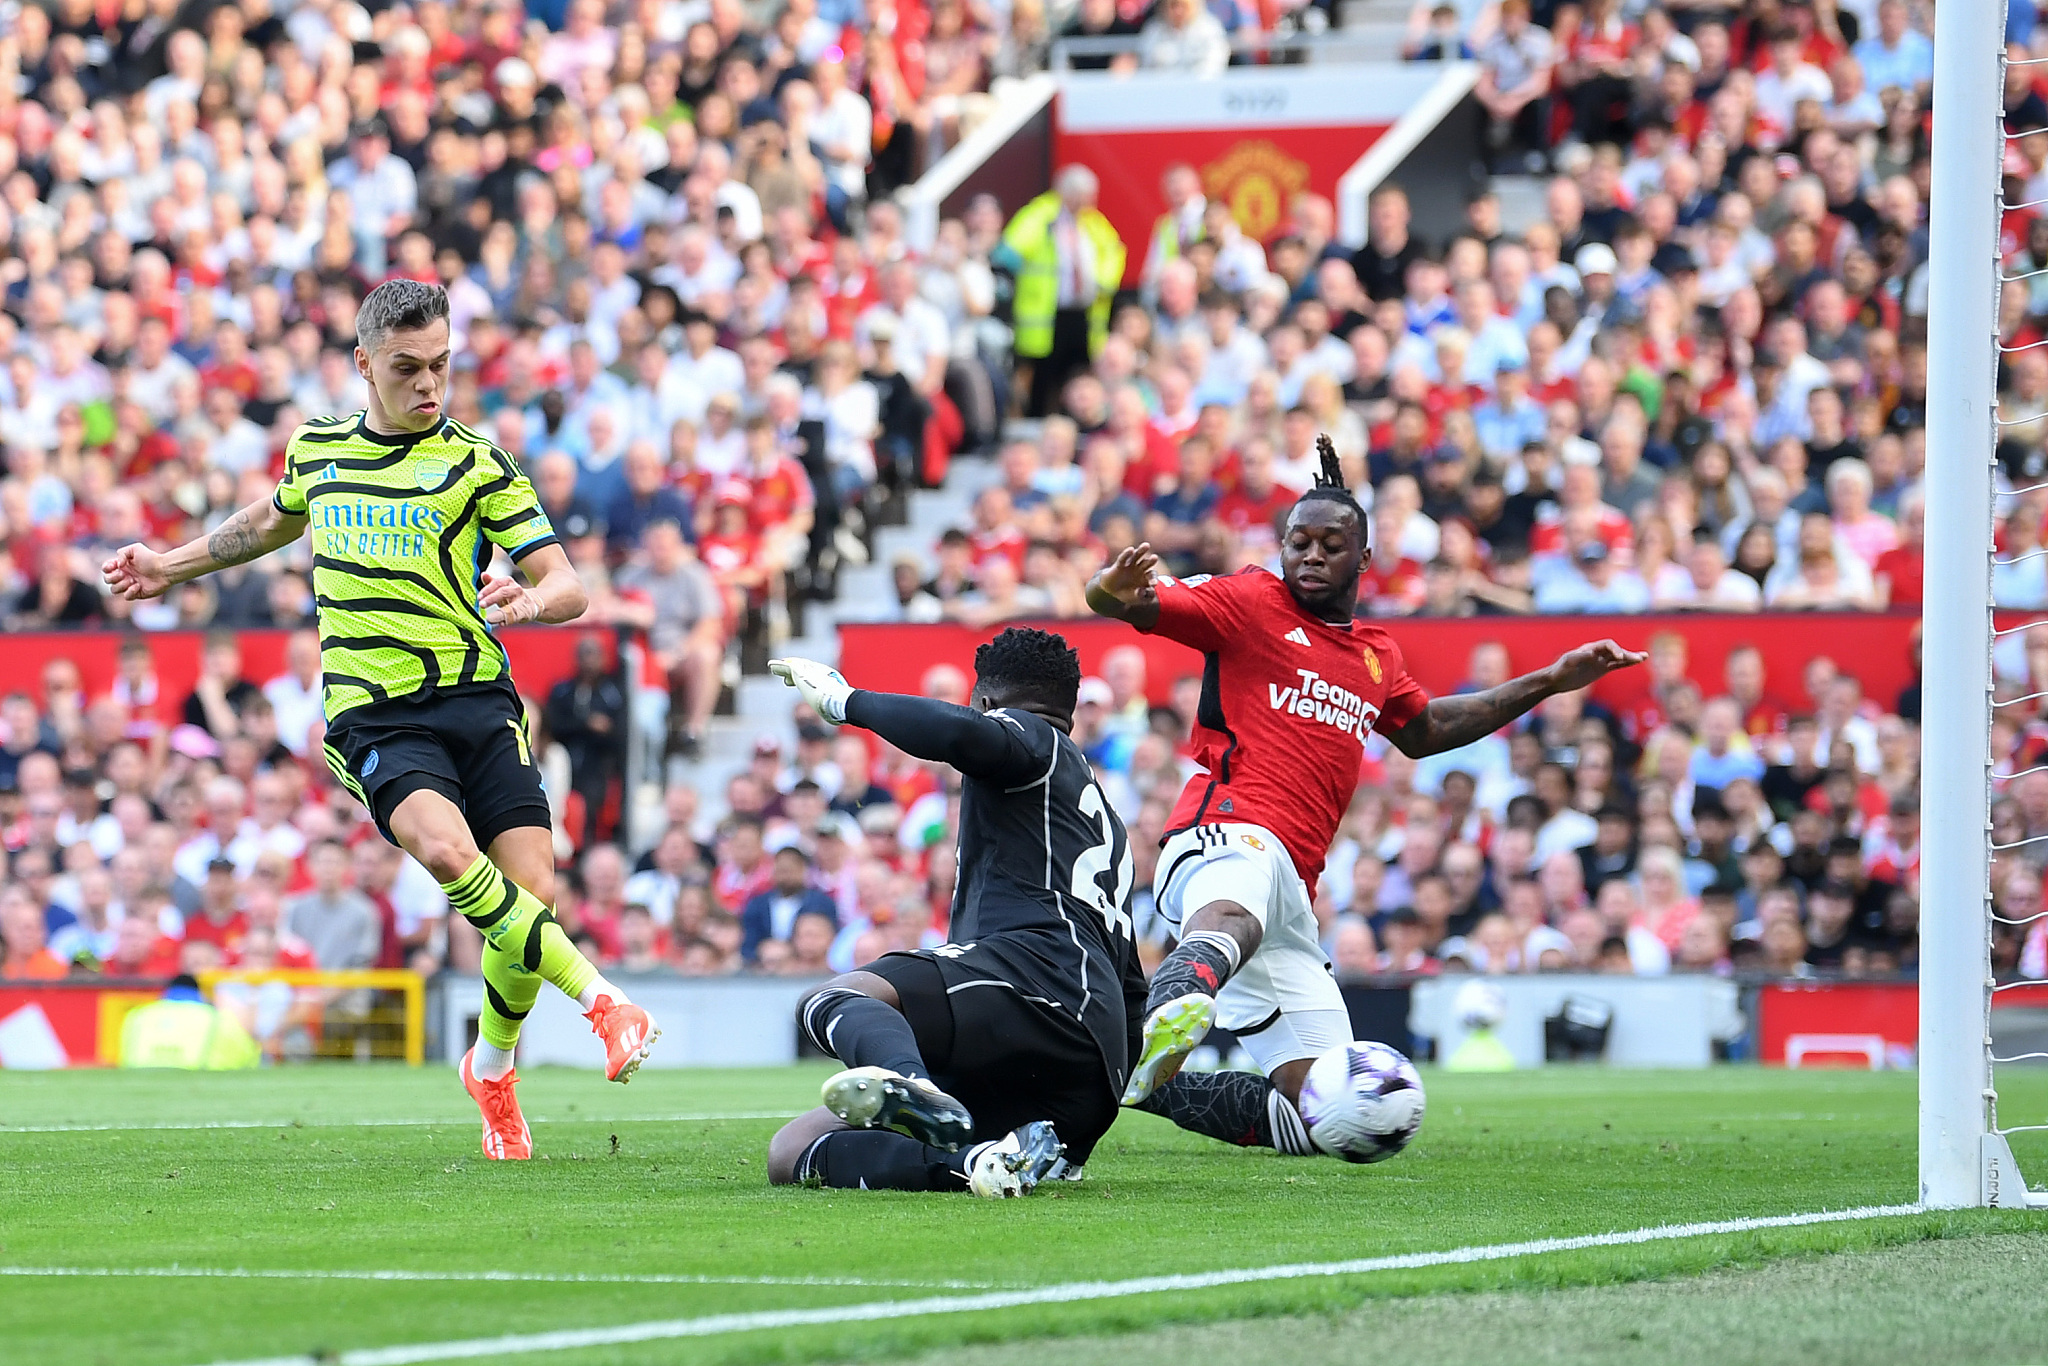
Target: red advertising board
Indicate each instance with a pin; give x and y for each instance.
(542, 656)
(67, 1024)
(1853, 1024)
(1875, 647)
(1256, 135)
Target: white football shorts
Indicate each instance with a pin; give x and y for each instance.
(1283, 1004)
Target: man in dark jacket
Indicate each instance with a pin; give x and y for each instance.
(586, 714)
(772, 914)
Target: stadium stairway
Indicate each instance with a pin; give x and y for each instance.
(764, 705)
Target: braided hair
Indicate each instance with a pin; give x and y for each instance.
(1329, 483)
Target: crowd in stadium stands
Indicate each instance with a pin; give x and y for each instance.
(685, 302)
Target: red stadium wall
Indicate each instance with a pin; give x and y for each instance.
(541, 657)
(1876, 648)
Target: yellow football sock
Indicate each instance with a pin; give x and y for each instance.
(523, 946)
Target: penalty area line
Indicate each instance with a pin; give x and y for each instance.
(714, 1325)
(197, 1125)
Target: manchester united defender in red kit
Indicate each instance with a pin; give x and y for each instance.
(1292, 687)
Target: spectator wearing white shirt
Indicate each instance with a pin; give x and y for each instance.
(1710, 584)
(1183, 36)
(1852, 108)
(295, 695)
(840, 134)
(268, 828)
(703, 366)
(1789, 79)
(29, 417)
(922, 342)
(701, 267)
(850, 410)
(1240, 261)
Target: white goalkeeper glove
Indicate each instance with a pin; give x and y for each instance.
(821, 686)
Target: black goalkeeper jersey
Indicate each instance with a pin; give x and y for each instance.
(1045, 866)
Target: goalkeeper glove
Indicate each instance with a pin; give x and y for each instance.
(821, 686)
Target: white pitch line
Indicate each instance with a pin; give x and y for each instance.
(1069, 1293)
(6, 1128)
(239, 1273)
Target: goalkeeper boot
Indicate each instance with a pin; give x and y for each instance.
(877, 1098)
(1015, 1163)
(628, 1033)
(1171, 1033)
(506, 1136)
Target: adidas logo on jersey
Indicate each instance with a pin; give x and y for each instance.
(1299, 636)
(331, 472)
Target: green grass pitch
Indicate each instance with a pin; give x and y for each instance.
(357, 1170)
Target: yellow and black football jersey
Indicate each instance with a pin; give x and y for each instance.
(402, 530)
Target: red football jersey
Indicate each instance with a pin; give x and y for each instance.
(1287, 703)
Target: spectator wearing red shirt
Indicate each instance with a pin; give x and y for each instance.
(1762, 714)
(1580, 497)
(1254, 508)
(744, 868)
(231, 368)
(1899, 573)
(1596, 73)
(1150, 457)
(1393, 585)
(220, 920)
(996, 533)
(140, 950)
(602, 873)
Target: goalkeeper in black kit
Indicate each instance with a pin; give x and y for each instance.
(997, 1060)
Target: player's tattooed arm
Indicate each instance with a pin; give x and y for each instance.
(136, 571)
(1123, 589)
(1449, 723)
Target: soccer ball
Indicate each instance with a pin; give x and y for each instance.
(1362, 1102)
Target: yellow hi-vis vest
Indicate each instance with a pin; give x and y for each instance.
(188, 1034)
(1038, 285)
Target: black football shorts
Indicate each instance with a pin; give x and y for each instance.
(468, 744)
(1008, 1059)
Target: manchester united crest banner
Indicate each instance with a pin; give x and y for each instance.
(1256, 136)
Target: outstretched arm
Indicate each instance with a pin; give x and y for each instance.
(1449, 723)
(556, 595)
(976, 743)
(979, 744)
(136, 572)
(1123, 588)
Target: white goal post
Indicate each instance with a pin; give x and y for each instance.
(1964, 1159)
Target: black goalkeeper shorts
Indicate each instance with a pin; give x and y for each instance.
(1007, 1059)
(468, 744)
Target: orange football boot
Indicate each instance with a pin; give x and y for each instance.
(628, 1033)
(506, 1136)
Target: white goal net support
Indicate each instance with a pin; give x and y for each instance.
(1966, 1150)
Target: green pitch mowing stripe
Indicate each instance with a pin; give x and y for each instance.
(383, 1123)
(244, 1273)
(718, 1324)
